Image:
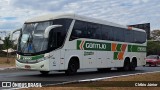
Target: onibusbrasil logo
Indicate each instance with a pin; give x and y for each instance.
(20, 84)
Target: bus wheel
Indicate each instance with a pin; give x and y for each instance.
(126, 66)
(44, 72)
(72, 68)
(133, 65)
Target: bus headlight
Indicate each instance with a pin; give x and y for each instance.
(46, 56)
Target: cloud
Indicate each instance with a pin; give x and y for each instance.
(5, 25)
(48, 5)
(8, 18)
(15, 12)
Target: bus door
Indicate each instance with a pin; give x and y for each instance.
(54, 45)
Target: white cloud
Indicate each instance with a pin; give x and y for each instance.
(119, 11)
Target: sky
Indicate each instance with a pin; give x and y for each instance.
(13, 13)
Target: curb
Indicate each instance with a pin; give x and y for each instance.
(103, 78)
(7, 68)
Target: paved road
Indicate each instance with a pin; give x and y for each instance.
(23, 75)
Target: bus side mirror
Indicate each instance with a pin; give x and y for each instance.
(49, 28)
(11, 34)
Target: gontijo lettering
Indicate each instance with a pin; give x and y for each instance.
(90, 45)
(97, 46)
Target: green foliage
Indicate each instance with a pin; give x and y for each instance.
(7, 43)
(155, 34)
(153, 47)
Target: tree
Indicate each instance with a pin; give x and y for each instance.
(7, 43)
(155, 35)
(153, 48)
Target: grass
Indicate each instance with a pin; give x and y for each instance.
(104, 83)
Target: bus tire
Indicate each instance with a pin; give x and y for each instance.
(126, 66)
(133, 65)
(72, 67)
(44, 72)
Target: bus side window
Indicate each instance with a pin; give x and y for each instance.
(129, 37)
(75, 34)
(78, 30)
(118, 34)
(94, 31)
(59, 40)
(137, 38)
(107, 33)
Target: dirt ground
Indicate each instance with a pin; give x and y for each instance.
(4, 63)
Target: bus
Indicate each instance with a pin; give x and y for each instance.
(68, 42)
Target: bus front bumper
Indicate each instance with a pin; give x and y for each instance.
(40, 66)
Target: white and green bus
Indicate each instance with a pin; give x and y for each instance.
(68, 42)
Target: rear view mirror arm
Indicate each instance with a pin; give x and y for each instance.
(11, 34)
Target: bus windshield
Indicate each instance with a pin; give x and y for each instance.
(32, 39)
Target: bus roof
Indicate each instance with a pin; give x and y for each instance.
(77, 17)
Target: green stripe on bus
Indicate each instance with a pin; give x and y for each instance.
(78, 44)
(115, 55)
(102, 46)
(136, 48)
(119, 47)
(31, 57)
(129, 48)
(37, 57)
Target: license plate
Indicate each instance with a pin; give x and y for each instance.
(27, 66)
